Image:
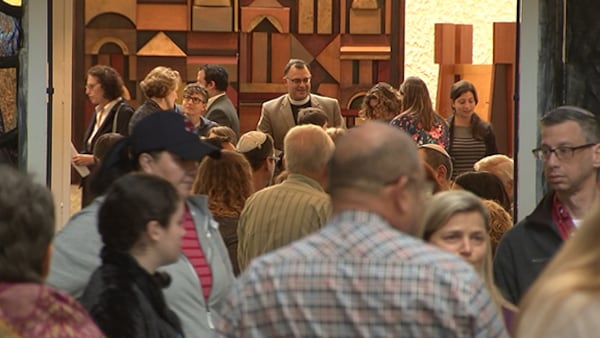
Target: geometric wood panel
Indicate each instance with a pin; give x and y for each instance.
(152, 17)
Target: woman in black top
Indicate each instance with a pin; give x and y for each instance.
(140, 223)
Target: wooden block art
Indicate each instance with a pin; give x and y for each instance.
(252, 16)
(365, 72)
(504, 42)
(330, 90)
(204, 43)
(445, 44)
(364, 4)
(152, 17)
(329, 58)
(259, 57)
(265, 3)
(213, 3)
(212, 19)
(464, 44)
(94, 8)
(365, 21)
(280, 54)
(160, 45)
(325, 17)
(306, 16)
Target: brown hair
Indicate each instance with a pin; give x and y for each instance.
(416, 101)
(159, 82)
(388, 101)
(227, 181)
(109, 79)
(500, 222)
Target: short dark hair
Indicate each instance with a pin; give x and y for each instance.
(109, 79)
(132, 201)
(586, 120)
(26, 227)
(312, 115)
(257, 155)
(485, 185)
(296, 63)
(436, 158)
(194, 88)
(218, 74)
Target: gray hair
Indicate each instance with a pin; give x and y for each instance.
(307, 149)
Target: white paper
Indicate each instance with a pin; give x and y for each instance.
(82, 170)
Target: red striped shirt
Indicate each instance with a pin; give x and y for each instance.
(193, 251)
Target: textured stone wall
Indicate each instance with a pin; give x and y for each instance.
(422, 15)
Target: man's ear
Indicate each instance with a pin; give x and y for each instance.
(442, 171)
(596, 156)
(399, 193)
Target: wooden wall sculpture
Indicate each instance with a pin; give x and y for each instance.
(346, 42)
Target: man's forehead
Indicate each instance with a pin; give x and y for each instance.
(565, 132)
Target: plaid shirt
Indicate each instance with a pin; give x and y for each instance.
(359, 277)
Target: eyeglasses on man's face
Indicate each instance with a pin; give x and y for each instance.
(90, 86)
(297, 82)
(194, 99)
(562, 153)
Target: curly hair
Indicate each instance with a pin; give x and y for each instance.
(160, 81)
(388, 103)
(500, 222)
(227, 181)
(416, 101)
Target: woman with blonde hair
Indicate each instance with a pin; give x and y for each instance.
(381, 103)
(564, 301)
(418, 117)
(458, 222)
(160, 89)
(227, 182)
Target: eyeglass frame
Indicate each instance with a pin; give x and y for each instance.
(195, 100)
(543, 153)
(90, 86)
(298, 82)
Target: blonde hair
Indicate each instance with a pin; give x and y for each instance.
(440, 208)
(561, 299)
(159, 82)
(307, 149)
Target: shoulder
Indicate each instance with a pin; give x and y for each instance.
(324, 99)
(274, 102)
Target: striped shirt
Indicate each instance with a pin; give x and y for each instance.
(279, 215)
(190, 245)
(465, 150)
(359, 277)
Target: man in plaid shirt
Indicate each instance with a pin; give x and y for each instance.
(363, 274)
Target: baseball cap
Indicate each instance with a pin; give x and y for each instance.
(166, 130)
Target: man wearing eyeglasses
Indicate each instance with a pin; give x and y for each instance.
(281, 114)
(570, 153)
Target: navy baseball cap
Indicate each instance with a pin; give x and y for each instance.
(167, 130)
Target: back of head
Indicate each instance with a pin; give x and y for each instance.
(485, 185)
(109, 79)
(584, 118)
(435, 156)
(307, 150)
(104, 143)
(369, 157)
(256, 146)
(500, 165)
(159, 82)
(26, 227)
(415, 97)
(218, 74)
(500, 222)
(388, 100)
(227, 181)
(312, 115)
(131, 202)
(442, 206)
(225, 132)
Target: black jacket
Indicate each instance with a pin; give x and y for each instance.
(489, 138)
(524, 251)
(126, 301)
(122, 112)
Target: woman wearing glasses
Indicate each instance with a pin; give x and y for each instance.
(104, 88)
(471, 138)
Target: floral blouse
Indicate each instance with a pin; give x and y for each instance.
(437, 135)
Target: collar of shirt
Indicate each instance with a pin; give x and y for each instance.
(213, 99)
(299, 102)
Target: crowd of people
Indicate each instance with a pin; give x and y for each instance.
(401, 226)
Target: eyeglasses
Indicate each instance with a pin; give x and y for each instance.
(194, 99)
(562, 153)
(305, 80)
(91, 86)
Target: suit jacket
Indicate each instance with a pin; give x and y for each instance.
(223, 112)
(125, 111)
(276, 116)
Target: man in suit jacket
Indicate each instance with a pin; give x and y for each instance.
(281, 114)
(215, 79)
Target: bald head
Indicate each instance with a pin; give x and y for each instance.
(370, 156)
(307, 149)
